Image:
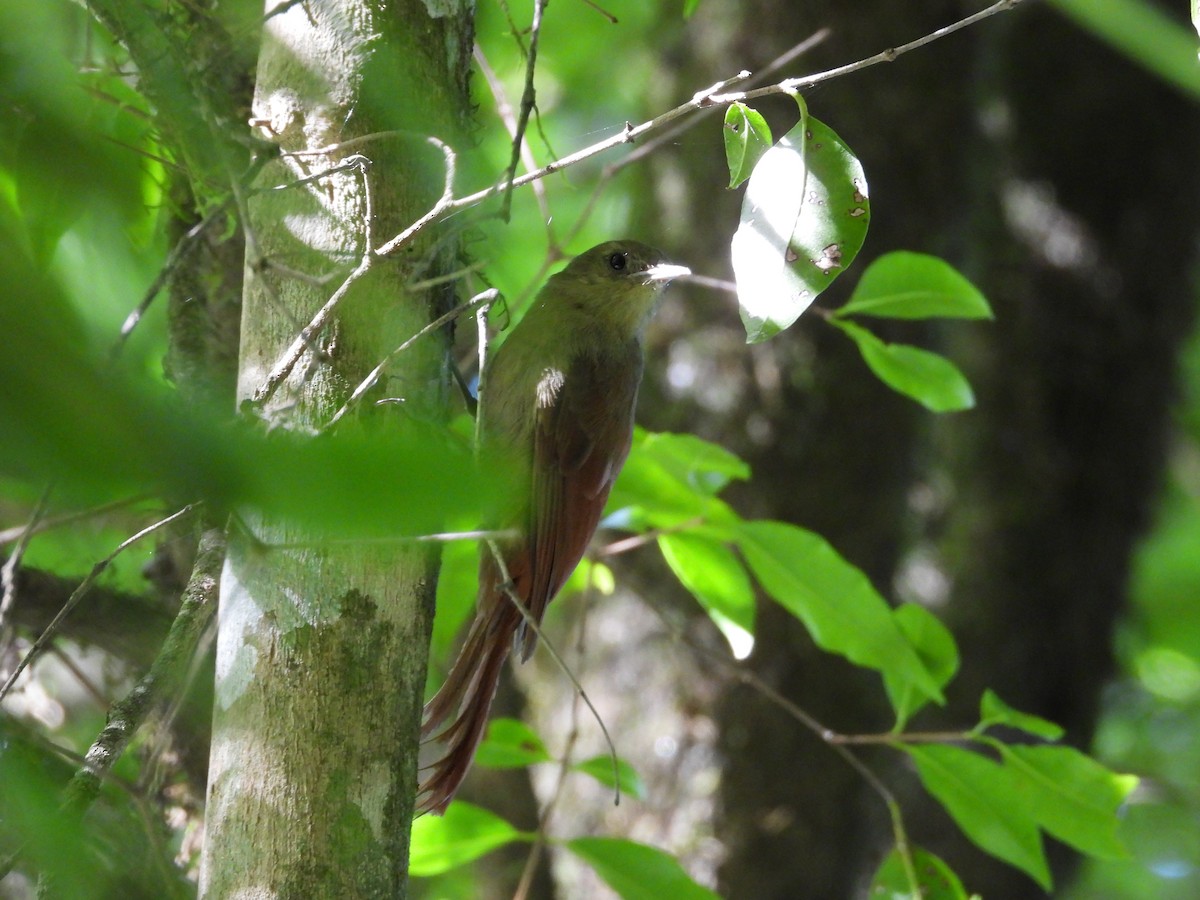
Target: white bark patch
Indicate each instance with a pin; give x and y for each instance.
(372, 795)
(239, 616)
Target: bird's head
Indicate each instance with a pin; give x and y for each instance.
(617, 281)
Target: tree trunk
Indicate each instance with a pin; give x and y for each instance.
(321, 652)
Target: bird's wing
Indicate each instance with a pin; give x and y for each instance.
(581, 436)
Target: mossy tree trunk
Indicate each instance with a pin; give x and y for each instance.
(321, 652)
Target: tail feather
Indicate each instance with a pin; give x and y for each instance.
(466, 696)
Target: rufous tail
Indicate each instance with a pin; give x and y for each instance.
(465, 700)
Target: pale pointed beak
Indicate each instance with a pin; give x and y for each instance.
(666, 272)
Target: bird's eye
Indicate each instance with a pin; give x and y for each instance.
(617, 261)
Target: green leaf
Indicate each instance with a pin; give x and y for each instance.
(689, 7)
(464, 833)
(713, 573)
(804, 219)
(1072, 796)
(510, 744)
(930, 379)
(636, 871)
(626, 776)
(836, 602)
(982, 797)
(668, 481)
(747, 137)
(934, 645)
(1145, 33)
(701, 464)
(935, 879)
(905, 285)
(994, 711)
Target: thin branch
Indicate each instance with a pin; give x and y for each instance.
(479, 300)
(8, 572)
(528, 99)
(536, 629)
(180, 252)
(754, 681)
(291, 356)
(793, 85)
(600, 9)
(505, 111)
(81, 591)
(564, 768)
(444, 537)
(717, 284)
(356, 162)
(900, 737)
(168, 672)
(630, 134)
(11, 534)
(625, 545)
(702, 100)
(443, 204)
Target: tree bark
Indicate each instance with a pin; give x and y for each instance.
(322, 650)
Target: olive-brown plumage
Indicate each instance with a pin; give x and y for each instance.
(558, 397)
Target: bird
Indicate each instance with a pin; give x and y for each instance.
(557, 401)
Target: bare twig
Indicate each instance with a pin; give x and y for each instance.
(444, 537)
(447, 203)
(444, 203)
(45, 524)
(717, 284)
(8, 572)
(703, 100)
(479, 300)
(505, 111)
(827, 735)
(169, 671)
(81, 591)
(528, 99)
(793, 85)
(564, 767)
(536, 629)
(625, 545)
(175, 258)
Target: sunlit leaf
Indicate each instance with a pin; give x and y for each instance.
(903, 285)
(636, 871)
(1072, 796)
(713, 573)
(668, 481)
(982, 798)
(464, 833)
(836, 602)
(747, 137)
(934, 645)
(706, 466)
(930, 379)
(994, 711)
(935, 879)
(804, 218)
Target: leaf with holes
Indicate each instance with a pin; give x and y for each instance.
(804, 219)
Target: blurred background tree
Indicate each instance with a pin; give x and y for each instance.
(1053, 527)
